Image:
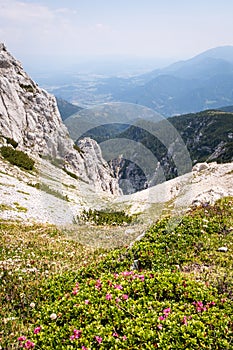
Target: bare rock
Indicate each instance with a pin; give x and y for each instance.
(200, 166)
(222, 249)
(29, 115)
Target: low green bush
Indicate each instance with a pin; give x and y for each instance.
(18, 158)
(74, 176)
(172, 290)
(100, 217)
(77, 148)
(12, 142)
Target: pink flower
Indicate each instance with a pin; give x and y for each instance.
(127, 273)
(116, 275)
(142, 277)
(118, 286)
(125, 296)
(76, 288)
(162, 318)
(37, 330)
(22, 338)
(159, 326)
(98, 285)
(167, 311)
(77, 334)
(98, 339)
(29, 344)
(200, 307)
(124, 337)
(108, 296)
(118, 300)
(115, 335)
(87, 301)
(184, 321)
(84, 348)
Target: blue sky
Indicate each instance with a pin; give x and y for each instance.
(139, 28)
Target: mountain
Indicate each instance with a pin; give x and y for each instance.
(30, 121)
(203, 82)
(207, 135)
(66, 108)
(64, 178)
(226, 109)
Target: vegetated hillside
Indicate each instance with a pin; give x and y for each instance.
(66, 109)
(170, 290)
(208, 136)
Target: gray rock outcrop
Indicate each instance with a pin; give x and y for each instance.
(29, 115)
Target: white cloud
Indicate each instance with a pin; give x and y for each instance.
(35, 28)
(20, 11)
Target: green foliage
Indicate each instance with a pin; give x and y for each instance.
(27, 88)
(12, 142)
(44, 187)
(77, 148)
(74, 176)
(99, 217)
(18, 158)
(201, 132)
(61, 295)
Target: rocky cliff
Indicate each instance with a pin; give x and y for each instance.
(29, 116)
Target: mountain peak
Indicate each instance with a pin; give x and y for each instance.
(29, 115)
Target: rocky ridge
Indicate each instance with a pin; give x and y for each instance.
(29, 115)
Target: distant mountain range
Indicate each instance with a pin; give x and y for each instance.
(208, 136)
(202, 82)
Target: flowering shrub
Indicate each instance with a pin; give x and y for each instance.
(180, 297)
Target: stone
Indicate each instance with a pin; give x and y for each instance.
(30, 116)
(200, 166)
(222, 249)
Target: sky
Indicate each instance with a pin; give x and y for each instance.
(77, 29)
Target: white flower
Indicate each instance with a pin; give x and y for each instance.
(53, 316)
(32, 305)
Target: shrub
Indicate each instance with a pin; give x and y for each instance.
(74, 176)
(77, 148)
(11, 142)
(44, 187)
(57, 294)
(27, 88)
(18, 158)
(99, 217)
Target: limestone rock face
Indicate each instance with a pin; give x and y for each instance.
(29, 115)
